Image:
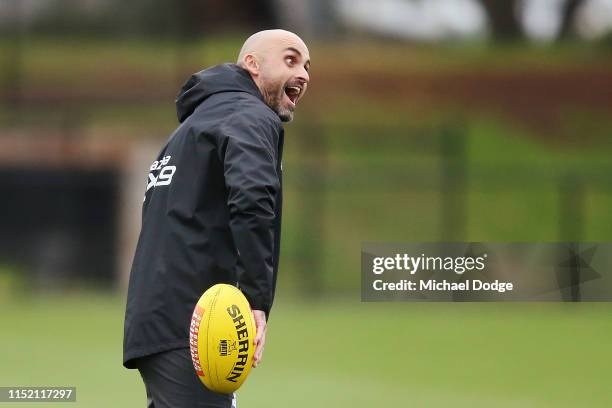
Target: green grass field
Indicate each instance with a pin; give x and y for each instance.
(341, 353)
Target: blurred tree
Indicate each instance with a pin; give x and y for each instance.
(505, 24)
(503, 21)
(568, 13)
(197, 17)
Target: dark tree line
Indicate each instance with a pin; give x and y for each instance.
(193, 18)
(182, 18)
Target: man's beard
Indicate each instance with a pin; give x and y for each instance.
(273, 96)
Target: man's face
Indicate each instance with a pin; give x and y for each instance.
(284, 77)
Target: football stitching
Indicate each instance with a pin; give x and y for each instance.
(212, 307)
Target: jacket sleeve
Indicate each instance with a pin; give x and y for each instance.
(249, 164)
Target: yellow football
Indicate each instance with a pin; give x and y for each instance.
(221, 338)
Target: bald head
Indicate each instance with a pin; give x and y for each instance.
(262, 42)
(278, 61)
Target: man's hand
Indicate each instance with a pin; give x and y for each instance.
(260, 338)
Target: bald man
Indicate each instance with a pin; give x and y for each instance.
(212, 212)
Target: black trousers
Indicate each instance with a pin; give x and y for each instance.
(171, 382)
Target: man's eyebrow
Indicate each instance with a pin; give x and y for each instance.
(297, 52)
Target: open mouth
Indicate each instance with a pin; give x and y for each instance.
(293, 93)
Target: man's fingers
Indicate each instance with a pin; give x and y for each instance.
(259, 346)
(260, 326)
(260, 337)
(258, 357)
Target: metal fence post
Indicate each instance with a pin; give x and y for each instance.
(571, 220)
(311, 227)
(13, 69)
(453, 183)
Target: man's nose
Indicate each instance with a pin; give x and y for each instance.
(303, 75)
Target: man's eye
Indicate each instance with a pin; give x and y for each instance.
(290, 60)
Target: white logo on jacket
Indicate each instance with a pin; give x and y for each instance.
(164, 174)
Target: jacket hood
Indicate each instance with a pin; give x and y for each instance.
(220, 78)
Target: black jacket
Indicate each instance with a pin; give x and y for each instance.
(211, 211)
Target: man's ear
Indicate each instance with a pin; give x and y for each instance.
(251, 64)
